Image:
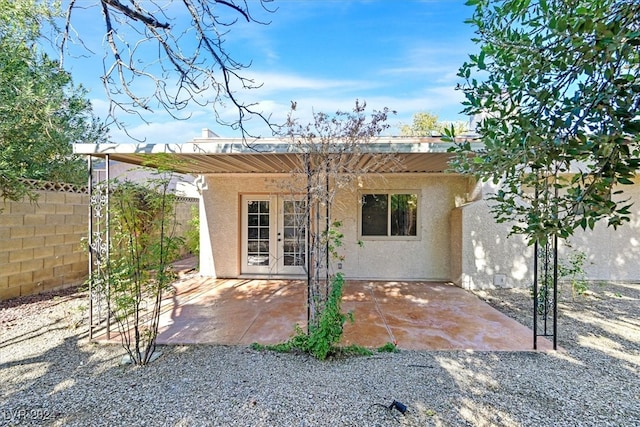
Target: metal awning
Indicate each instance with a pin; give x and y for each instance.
(222, 155)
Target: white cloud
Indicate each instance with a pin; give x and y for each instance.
(441, 62)
(176, 131)
(100, 107)
(279, 82)
(444, 101)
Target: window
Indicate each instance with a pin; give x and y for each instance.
(258, 232)
(389, 214)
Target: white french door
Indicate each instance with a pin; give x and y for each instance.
(273, 235)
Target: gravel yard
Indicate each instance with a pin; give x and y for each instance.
(51, 375)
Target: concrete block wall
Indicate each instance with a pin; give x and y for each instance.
(41, 243)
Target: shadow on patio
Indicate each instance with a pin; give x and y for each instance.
(415, 315)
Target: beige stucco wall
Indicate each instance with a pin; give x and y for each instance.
(483, 256)
(458, 240)
(612, 254)
(220, 216)
(426, 258)
(219, 227)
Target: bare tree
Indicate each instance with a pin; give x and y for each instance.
(177, 49)
(334, 151)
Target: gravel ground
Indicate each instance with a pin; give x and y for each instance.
(51, 375)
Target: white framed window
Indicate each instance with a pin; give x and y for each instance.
(389, 215)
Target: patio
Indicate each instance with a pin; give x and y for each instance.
(415, 315)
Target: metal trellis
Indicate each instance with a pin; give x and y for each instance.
(99, 310)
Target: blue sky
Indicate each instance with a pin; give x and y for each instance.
(325, 54)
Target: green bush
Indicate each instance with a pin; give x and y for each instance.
(572, 269)
(192, 235)
(138, 272)
(388, 348)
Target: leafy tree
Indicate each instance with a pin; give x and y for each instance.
(557, 83)
(41, 112)
(424, 124)
(168, 55)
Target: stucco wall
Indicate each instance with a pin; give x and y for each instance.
(612, 254)
(428, 257)
(219, 230)
(220, 216)
(458, 240)
(484, 257)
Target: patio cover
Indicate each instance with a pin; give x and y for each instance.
(233, 155)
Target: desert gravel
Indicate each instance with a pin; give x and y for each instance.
(51, 375)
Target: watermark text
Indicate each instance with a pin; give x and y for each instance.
(25, 414)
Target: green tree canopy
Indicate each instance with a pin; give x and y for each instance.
(557, 83)
(425, 124)
(41, 112)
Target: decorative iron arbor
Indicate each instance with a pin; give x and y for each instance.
(99, 310)
(545, 292)
(545, 265)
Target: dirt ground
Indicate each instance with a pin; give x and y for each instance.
(51, 375)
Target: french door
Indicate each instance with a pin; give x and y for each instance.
(273, 235)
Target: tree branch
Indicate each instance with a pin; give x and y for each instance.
(149, 21)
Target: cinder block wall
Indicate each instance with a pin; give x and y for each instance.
(40, 243)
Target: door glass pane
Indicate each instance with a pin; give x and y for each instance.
(258, 233)
(374, 214)
(404, 214)
(293, 233)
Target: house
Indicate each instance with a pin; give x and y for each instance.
(181, 184)
(443, 230)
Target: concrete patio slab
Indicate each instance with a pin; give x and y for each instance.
(414, 315)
